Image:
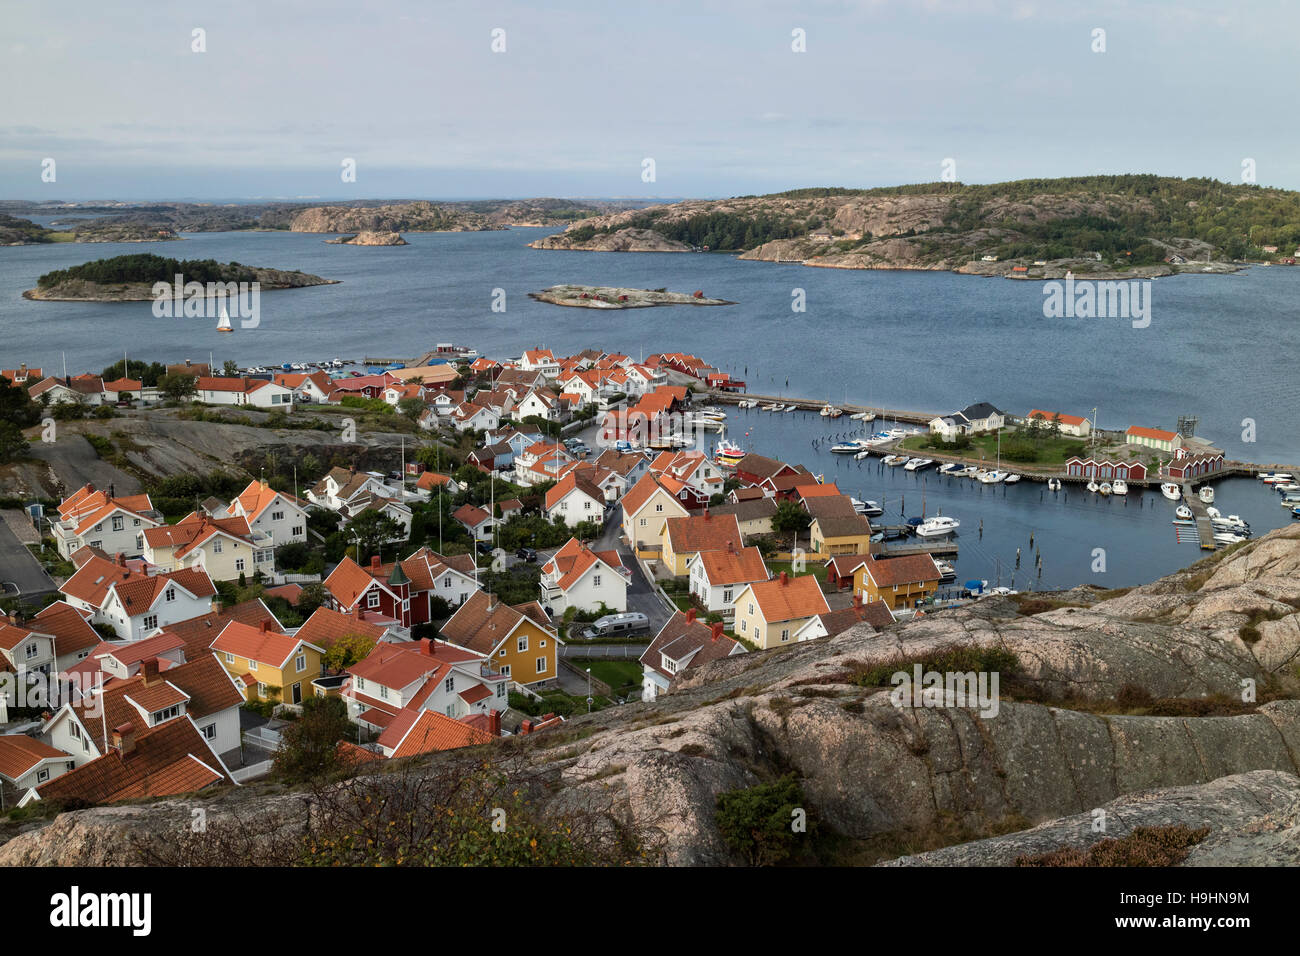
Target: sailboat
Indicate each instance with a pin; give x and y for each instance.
(223, 323)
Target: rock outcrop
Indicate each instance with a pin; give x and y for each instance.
(369, 238)
(397, 217)
(1070, 733)
(620, 240)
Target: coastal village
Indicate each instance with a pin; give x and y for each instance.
(563, 533)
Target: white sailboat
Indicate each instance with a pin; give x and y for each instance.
(223, 323)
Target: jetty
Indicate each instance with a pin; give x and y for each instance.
(945, 547)
(1204, 527)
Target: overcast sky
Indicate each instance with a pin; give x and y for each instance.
(585, 92)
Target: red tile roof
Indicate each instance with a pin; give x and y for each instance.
(908, 569)
(786, 598)
(19, 754)
(705, 532)
(741, 566)
(1153, 433)
(428, 732)
(251, 643)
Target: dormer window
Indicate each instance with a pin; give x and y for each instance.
(33, 650)
(171, 594)
(372, 599)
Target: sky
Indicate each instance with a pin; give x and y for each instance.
(714, 92)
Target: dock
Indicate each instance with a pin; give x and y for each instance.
(1204, 527)
(943, 548)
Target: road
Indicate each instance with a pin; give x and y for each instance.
(640, 596)
(20, 572)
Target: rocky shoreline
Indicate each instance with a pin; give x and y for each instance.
(369, 238)
(609, 297)
(269, 280)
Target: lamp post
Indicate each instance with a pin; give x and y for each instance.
(589, 698)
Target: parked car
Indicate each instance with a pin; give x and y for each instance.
(484, 547)
(526, 554)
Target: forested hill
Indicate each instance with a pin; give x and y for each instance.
(1128, 220)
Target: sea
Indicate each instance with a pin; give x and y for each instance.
(1220, 348)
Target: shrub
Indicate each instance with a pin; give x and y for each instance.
(1145, 846)
(757, 821)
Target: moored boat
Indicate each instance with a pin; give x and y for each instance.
(1184, 512)
(1206, 494)
(1053, 484)
(1093, 487)
(1171, 490)
(1012, 479)
(1119, 486)
(940, 525)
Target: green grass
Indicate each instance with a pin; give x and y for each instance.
(816, 568)
(1049, 451)
(619, 675)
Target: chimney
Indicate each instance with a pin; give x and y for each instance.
(266, 627)
(857, 602)
(690, 615)
(494, 723)
(430, 648)
(526, 727)
(374, 563)
(356, 612)
(121, 560)
(706, 514)
(149, 671)
(124, 739)
(717, 630)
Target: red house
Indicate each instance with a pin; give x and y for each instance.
(1105, 469)
(1192, 467)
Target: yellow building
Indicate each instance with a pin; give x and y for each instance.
(682, 538)
(224, 547)
(768, 613)
(902, 582)
(269, 665)
(829, 536)
(518, 639)
(646, 506)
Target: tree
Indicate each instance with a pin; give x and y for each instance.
(757, 821)
(12, 443)
(312, 597)
(347, 650)
(412, 408)
(178, 387)
(790, 518)
(16, 407)
(371, 530)
(230, 368)
(309, 746)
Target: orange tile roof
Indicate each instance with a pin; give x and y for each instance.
(325, 626)
(786, 598)
(197, 633)
(430, 732)
(432, 479)
(908, 569)
(1153, 433)
(733, 567)
(19, 754)
(817, 491)
(704, 532)
(348, 581)
(259, 496)
(1049, 416)
(194, 530)
(471, 515)
(645, 487)
(71, 631)
(483, 622)
(573, 560)
(571, 481)
(251, 643)
(400, 665)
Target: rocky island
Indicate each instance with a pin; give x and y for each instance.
(1132, 226)
(369, 238)
(132, 278)
(609, 297)
(24, 232)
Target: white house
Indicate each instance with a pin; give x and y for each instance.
(257, 392)
(1072, 425)
(100, 520)
(24, 650)
(682, 643)
(540, 360)
(135, 604)
(468, 417)
(542, 402)
(581, 578)
(271, 512)
(717, 577)
(26, 763)
(575, 498)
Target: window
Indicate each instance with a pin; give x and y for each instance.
(726, 595)
(522, 644)
(751, 608)
(216, 546)
(239, 564)
(505, 670)
(372, 599)
(171, 594)
(252, 665)
(297, 530)
(449, 684)
(32, 650)
(261, 689)
(118, 523)
(210, 732)
(383, 692)
(167, 713)
(100, 544)
(541, 665)
(744, 627)
(785, 634)
(277, 515)
(43, 774)
(658, 508)
(595, 580)
(301, 663)
(85, 745)
(446, 582)
(150, 621)
(541, 644)
(501, 689)
(230, 658)
(361, 683)
(75, 729)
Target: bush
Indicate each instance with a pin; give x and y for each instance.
(757, 822)
(309, 747)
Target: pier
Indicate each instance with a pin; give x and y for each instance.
(944, 548)
(1204, 527)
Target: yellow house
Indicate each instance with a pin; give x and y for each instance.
(269, 664)
(902, 582)
(682, 538)
(518, 639)
(646, 506)
(830, 536)
(768, 613)
(224, 547)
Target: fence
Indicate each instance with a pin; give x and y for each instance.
(242, 774)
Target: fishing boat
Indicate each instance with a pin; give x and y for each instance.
(1119, 486)
(1053, 484)
(1104, 488)
(1011, 479)
(223, 323)
(1171, 490)
(940, 525)
(1183, 512)
(1206, 494)
(1093, 487)
(728, 453)
(826, 410)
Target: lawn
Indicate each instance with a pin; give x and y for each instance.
(816, 568)
(620, 675)
(1046, 451)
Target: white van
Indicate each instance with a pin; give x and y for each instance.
(615, 625)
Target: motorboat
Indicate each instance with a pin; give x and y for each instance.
(836, 413)
(946, 571)
(970, 471)
(1053, 484)
(1093, 487)
(774, 407)
(1295, 512)
(951, 468)
(1171, 490)
(1283, 488)
(1104, 488)
(1206, 494)
(918, 464)
(863, 416)
(940, 525)
(826, 410)
(992, 477)
(850, 447)
(1119, 486)
(889, 460)
(1290, 499)
(1227, 537)
(898, 460)
(871, 509)
(1011, 479)
(1231, 523)
(865, 453)
(1184, 512)
(791, 408)
(1275, 477)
